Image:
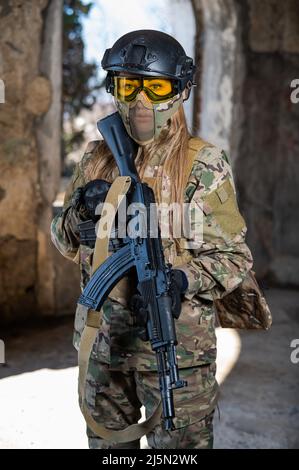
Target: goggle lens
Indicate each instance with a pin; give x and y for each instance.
(157, 89)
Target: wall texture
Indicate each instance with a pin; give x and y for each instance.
(220, 46)
(250, 57)
(28, 96)
(267, 158)
(30, 67)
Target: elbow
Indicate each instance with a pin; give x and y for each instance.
(59, 240)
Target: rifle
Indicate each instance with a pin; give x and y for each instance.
(145, 254)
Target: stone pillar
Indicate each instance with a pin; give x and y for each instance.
(48, 133)
(30, 69)
(27, 96)
(221, 71)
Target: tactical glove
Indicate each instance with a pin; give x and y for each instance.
(86, 199)
(178, 286)
(84, 202)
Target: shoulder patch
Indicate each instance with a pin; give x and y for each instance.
(222, 203)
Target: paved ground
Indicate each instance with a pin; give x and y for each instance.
(260, 397)
(259, 405)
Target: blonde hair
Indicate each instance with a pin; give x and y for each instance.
(174, 140)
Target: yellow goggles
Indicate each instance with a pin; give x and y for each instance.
(157, 89)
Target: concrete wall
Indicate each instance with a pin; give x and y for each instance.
(267, 158)
(250, 57)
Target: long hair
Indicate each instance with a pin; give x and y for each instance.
(173, 141)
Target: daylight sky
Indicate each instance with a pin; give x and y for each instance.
(110, 19)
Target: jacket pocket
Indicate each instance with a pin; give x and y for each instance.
(245, 307)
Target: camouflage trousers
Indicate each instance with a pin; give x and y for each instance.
(115, 397)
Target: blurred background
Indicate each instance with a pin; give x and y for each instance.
(51, 95)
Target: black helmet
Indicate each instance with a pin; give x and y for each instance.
(149, 52)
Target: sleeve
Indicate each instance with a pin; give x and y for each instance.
(63, 227)
(221, 260)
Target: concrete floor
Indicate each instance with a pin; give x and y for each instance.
(259, 403)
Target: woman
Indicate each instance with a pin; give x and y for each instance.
(150, 76)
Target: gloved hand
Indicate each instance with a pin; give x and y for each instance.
(86, 199)
(77, 204)
(179, 285)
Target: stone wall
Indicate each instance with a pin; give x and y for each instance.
(30, 68)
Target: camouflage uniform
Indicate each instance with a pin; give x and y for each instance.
(122, 367)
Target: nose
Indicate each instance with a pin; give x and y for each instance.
(139, 105)
(144, 95)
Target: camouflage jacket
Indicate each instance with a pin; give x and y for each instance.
(213, 269)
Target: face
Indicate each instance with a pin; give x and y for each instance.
(145, 104)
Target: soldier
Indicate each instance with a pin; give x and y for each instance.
(150, 77)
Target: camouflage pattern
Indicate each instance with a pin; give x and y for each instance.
(161, 113)
(214, 269)
(115, 399)
(245, 307)
(120, 361)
